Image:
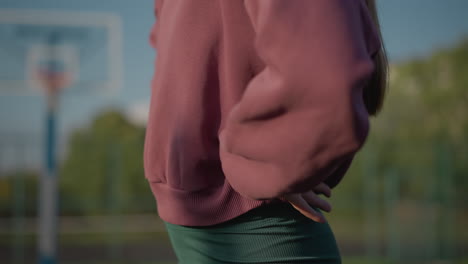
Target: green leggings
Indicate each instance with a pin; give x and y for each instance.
(274, 233)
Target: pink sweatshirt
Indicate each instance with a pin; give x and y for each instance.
(254, 99)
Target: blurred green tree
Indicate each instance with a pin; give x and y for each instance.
(18, 193)
(103, 171)
(426, 111)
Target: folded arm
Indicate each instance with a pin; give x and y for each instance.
(302, 118)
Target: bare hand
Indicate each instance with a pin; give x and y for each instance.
(303, 202)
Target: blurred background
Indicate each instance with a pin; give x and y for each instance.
(75, 85)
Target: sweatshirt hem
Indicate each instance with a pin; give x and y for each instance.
(201, 208)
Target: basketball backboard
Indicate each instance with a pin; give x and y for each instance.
(85, 47)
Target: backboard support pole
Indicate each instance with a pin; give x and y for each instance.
(48, 194)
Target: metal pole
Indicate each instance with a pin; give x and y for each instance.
(48, 195)
(446, 193)
(114, 171)
(371, 204)
(392, 219)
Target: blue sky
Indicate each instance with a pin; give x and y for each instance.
(411, 28)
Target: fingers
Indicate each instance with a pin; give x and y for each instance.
(314, 200)
(306, 202)
(322, 188)
(300, 204)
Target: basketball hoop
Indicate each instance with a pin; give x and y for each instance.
(52, 80)
(52, 68)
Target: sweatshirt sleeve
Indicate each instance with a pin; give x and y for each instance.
(302, 118)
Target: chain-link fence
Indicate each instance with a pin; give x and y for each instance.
(376, 225)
